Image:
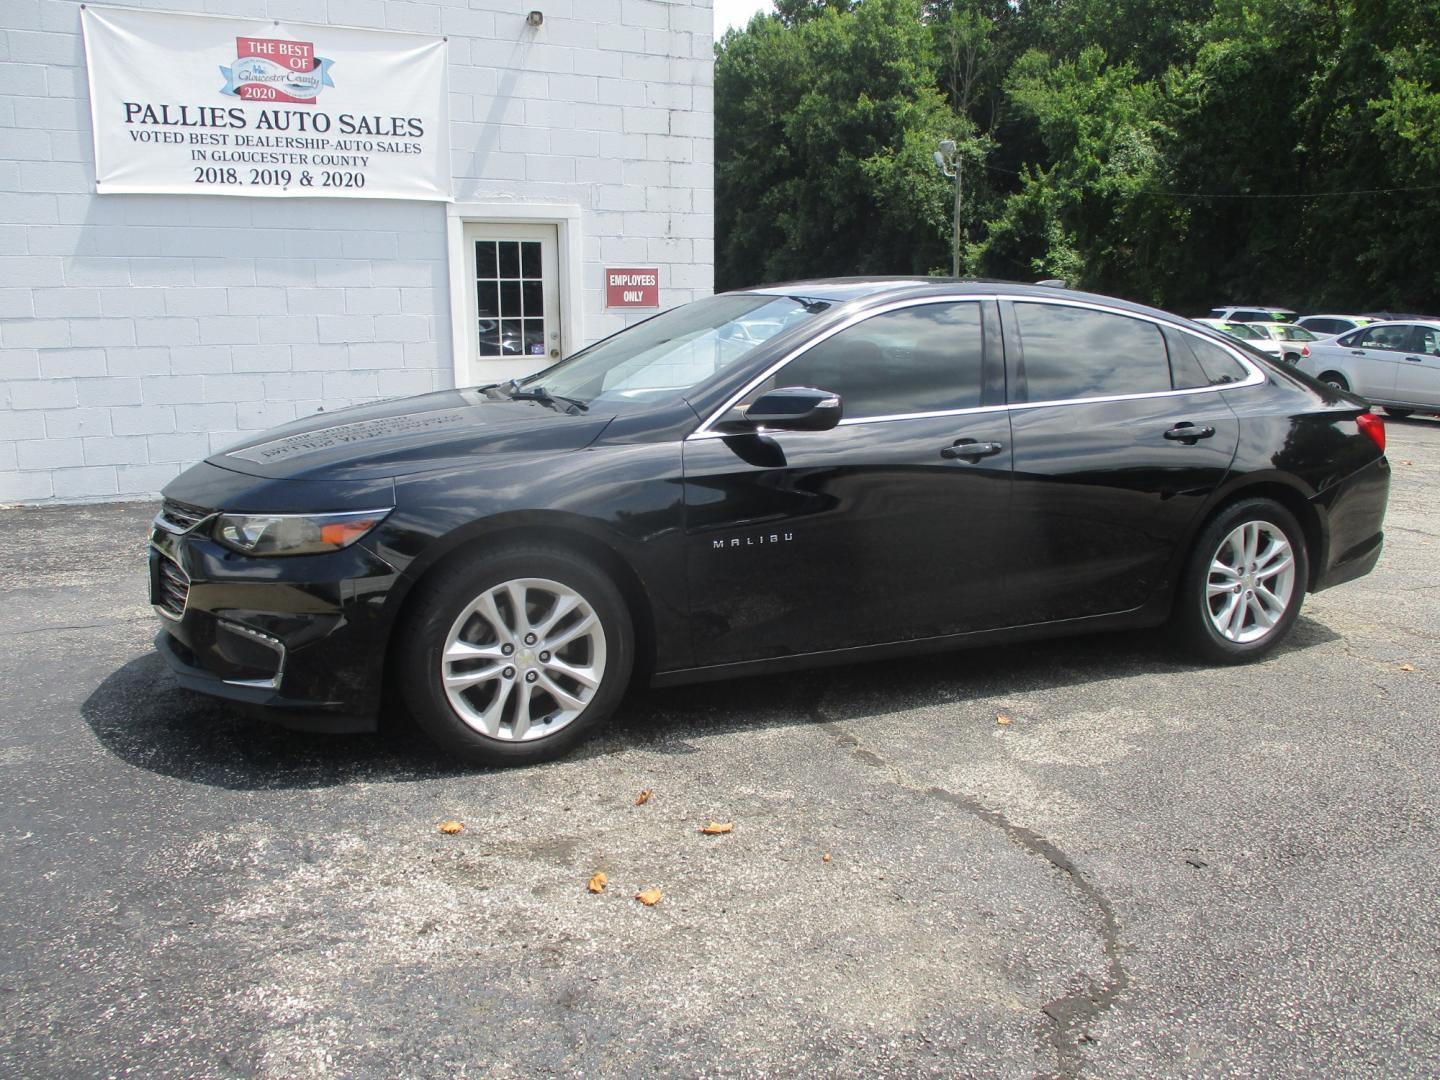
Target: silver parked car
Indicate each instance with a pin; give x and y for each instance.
(1395, 364)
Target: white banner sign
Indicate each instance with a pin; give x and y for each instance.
(220, 106)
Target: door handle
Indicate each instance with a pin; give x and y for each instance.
(1415, 359)
(1357, 352)
(970, 450)
(1188, 433)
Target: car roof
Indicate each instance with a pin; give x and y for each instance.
(846, 289)
(1433, 324)
(1253, 307)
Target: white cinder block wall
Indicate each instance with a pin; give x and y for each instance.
(139, 333)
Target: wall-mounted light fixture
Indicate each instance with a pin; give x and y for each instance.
(535, 18)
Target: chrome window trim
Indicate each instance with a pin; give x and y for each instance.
(1255, 377)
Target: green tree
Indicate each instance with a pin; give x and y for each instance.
(824, 134)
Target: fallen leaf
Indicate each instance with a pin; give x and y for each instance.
(650, 897)
(1407, 667)
(644, 797)
(1406, 461)
(450, 828)
(1003, 720)
(825, 857)
(598, 882)
(715, 828)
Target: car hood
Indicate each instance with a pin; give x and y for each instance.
(408, 435)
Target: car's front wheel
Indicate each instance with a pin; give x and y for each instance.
(510, 659)
(1335, 379)
(1244, 584)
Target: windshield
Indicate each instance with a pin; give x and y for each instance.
(662, 358)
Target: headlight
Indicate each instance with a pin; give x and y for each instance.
(294, 534)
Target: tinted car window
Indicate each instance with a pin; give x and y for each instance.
(1325, 326)
(1389, 338)
(1429, 341)
(1072, 352)
(926, 358)
(1350, 341)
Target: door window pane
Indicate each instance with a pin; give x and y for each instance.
(534, 337)
(530, 259)
(510, 299)
(484, 258)
(1388, 338)
(1072, 352)
(916, 360)
(509, 258)
(510, 336)
(487, 298)
(532, 294)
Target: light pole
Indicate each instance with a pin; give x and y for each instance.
(952, 165)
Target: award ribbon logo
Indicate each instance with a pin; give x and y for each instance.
(269, 69)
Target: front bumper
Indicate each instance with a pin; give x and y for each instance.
(302, 636)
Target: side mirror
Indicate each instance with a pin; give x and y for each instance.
(795, 408)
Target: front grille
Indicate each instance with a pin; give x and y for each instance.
(172, 588)
(181, 517)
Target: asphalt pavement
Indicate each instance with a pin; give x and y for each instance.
(1154, 869)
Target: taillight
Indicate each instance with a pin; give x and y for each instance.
(1304, 350)
(1373, 426)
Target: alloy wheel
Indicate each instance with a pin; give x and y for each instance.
(523, 659)
(1251, 583)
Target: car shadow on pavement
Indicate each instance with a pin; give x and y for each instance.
(144, 718)
(665, 721)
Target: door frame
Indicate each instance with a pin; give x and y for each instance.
(569, 240)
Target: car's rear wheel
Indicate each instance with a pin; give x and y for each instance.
(1245, 581)
(1335, 379)
(511, 659)
(1398, 414)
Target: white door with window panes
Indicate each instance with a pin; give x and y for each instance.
(514, 314)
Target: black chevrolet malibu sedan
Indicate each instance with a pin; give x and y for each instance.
(813, 473)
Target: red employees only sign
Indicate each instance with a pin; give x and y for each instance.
(632, 287)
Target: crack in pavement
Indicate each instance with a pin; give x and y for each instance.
(1070, 1014)
(77, 626)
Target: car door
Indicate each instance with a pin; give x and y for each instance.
(882, 529)
(1120, 437)
(1417, 373)
(1374, 354)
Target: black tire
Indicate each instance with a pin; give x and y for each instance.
(439, 603)
(1398, 414)
(1193, 621)
(1335, 379)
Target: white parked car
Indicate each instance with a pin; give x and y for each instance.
(1250, 334)
(1249, 313)
(1294, 340)
(1395, 364)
